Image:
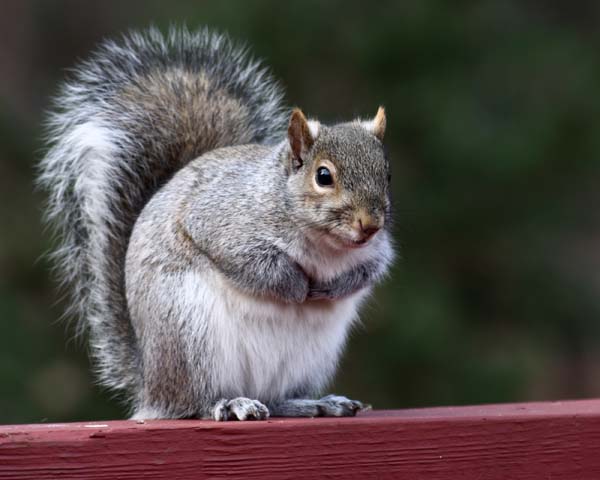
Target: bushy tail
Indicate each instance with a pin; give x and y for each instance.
(131, 116)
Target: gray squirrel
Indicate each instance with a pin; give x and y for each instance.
(216, 246)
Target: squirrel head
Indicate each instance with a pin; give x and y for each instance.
(339, 179)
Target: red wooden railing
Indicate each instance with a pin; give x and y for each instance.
(557, 440)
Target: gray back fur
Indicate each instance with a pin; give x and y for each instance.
(128, 119)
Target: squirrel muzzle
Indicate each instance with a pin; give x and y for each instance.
(365, 226)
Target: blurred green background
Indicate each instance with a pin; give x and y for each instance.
(493, 131)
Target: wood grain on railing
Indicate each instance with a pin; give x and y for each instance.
(554, 440)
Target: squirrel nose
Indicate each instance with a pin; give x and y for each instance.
(368, 226)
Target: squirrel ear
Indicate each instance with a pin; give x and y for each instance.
(300, 136)
(377, 125)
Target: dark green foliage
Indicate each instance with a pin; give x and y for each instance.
(493, 119)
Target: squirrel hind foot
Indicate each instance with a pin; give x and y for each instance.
(328, 406)
(340, 406)
(240, 408)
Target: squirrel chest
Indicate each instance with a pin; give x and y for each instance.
(266, 349)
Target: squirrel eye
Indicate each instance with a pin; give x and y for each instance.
(324, 177)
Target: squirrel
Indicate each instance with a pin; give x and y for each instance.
(217, 246)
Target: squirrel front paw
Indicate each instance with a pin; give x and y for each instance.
(240, 408)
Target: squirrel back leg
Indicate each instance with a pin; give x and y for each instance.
(240, 408)
(328, 406)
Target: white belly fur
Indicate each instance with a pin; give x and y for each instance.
(264, 349)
